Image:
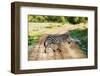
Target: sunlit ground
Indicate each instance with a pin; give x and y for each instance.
(36, 30)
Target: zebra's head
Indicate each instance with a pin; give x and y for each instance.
(68, 37)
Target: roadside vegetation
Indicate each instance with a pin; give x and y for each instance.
(39, 25)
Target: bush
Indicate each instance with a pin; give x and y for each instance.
(57, 19)
(32, 40)
(77, 20)
(82, 36)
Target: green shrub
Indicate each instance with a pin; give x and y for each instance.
(77, 20)
(32, 40)
(82, 36)
(57, 19)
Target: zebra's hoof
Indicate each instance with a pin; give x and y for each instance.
(44, 51)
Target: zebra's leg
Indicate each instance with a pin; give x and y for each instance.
(53, 50)
(45, 50)
(59, 50)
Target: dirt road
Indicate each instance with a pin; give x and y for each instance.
(37, 52)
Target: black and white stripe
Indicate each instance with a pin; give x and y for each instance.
(56, 39)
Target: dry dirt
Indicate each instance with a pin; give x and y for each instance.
(71, 51)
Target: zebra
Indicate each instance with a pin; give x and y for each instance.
(56, 39)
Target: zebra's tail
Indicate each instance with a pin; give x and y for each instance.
(42, 41)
